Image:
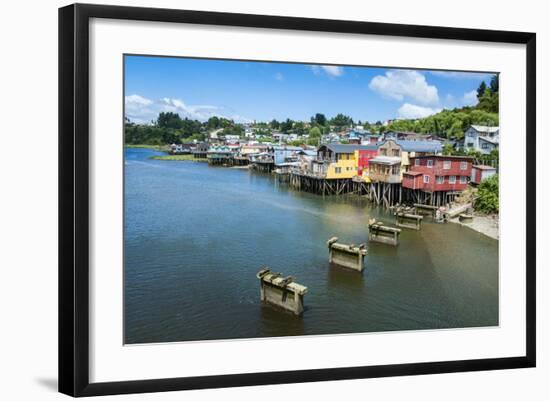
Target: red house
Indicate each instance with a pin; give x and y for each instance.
(438, 173)
(364, 155)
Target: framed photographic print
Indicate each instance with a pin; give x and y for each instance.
(250, 199)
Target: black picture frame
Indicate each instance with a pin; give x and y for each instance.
(74, 198)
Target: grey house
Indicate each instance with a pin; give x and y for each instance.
(481, 138)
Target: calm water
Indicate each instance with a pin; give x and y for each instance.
(196, 236)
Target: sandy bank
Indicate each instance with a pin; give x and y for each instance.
(487, 225)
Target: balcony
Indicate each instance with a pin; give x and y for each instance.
(385, 177)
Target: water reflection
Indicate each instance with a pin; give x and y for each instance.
(195, 237)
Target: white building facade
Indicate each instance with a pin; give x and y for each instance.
(481, 138)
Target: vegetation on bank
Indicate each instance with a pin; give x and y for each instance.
(146, 146)
(177, 158)
(453, 123)
(487, 195)
(486, 159)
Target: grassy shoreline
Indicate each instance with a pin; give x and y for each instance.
(178, 158)
(145, 146)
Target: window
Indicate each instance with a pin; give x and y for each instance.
(426, 179)
(395, 152)
(417, 162)
(470, 145)
(446, 164)
(440, 179)
(484, 146)
(383, 152)
(452, 179)
(463, 179)
(337, 170)
(463, 165)
(430, 163)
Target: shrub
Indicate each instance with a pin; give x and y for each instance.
(487, 200)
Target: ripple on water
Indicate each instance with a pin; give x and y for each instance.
(195, 237)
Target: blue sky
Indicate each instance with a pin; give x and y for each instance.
(246, 91)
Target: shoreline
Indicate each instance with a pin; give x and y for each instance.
(483, 224)
(182, 158)
(145, 146)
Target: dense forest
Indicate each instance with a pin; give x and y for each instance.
(170, 128)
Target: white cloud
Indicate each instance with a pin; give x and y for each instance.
(142, 110)
(408, 110)
(470, 98)
(279, 77)
(137, 99)
(402, 84)
(331, 70)
(139, 109)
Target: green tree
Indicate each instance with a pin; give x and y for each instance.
(341, 121)
(286, 125)
(487, 200)
(319, 118)
(488, 101)
(448, 149)
(213, 123)
(481, 89)
(493, 85)
(313, 141)
(168, 120)
(315, 132)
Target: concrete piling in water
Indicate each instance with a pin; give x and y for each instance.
(383, 234)
(281, 291)
(408, 220)
(350, 256)
(428, 210)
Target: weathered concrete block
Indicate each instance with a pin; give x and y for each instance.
(427, 210)
(350, 256)
(383, 234)
(408, 220)
(281, 291)
(465, 218)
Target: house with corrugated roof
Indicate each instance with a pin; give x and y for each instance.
(481, 138)
(405, 149)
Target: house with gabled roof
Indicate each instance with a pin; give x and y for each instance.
(405, 149)
(481, 138)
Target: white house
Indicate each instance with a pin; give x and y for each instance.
(481, 138)
(232, 139)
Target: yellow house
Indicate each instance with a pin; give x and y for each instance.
(335, 161)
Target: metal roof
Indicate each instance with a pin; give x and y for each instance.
(485, 128)
(385, 160)
(494, 141)
(418, 146)
(307, 152)
(483, 167)
(459, 157)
